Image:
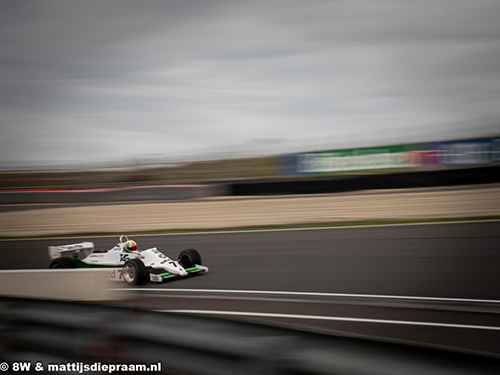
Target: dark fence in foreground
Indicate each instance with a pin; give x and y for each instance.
(44, 333)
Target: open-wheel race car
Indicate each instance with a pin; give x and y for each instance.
(137, 266)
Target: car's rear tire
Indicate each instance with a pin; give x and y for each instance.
(135, 272)
(62, 263)
(189, 258)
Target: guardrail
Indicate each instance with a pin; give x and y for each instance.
(43, 333)
(86, 284)
(274, 186)
(118, 194)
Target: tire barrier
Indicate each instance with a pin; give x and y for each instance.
(49, 333)
(346, 183)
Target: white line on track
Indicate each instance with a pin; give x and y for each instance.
(312, 294)
(333, 318)
(263, 230)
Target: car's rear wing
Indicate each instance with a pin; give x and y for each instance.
(77, 250)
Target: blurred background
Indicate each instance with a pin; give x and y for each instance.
(252, 115)
(167, 88)
(474, 144)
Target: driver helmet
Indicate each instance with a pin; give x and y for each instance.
(130, 246)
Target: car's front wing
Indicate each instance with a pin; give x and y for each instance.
(157, 276)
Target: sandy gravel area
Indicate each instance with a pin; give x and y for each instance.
(232, 212)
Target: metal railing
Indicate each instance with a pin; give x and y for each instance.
(49, 333)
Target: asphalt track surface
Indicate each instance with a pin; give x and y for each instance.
(435, 284)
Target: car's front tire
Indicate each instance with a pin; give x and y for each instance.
(62, 263)
(135, 272)
(189, 258)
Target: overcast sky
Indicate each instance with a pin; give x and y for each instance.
(84, 80)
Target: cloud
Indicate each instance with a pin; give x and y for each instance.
(166, 77)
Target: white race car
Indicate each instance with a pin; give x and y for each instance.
(138, 265)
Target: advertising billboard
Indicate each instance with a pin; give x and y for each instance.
(471, 152)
